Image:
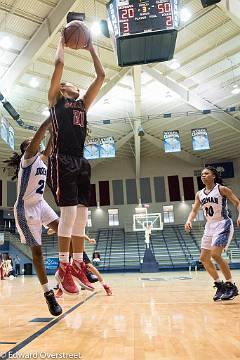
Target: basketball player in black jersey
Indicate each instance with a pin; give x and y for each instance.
(69, 173)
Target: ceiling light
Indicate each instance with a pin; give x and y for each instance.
(5, 42)
(96, 28)
(236, 91)
(174, 64)
(34, 83)
(185, 15)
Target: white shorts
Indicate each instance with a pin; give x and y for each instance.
(29, 221)
(217, 233)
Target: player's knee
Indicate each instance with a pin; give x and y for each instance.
(66, 221)
(80, 221)
(37, 254)
(204, 259)
(218, 258)
(36, 251)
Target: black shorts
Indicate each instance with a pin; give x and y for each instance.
(69, 179)
(86, 258)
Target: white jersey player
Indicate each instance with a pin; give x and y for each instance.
(30, 210)
(218, 230)
(219, 227)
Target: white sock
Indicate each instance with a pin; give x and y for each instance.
(230, 280)
(64, 257)
(78, 256)
(217, 280)
(103, 283)
(46, 287)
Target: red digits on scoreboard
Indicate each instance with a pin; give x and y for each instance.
(130, 13)
(164, 8)
(169, 20)
(125, 27)
(161, 8)
(124, 14)
(127, 14)
(167, 7)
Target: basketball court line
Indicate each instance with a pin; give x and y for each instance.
(32, 337)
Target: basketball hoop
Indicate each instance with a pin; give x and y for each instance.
(143, 220)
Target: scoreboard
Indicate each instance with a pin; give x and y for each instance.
(155, 22)
(151, 15)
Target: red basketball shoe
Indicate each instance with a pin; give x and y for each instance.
(64, 278)
(107, 289)
(79, 274)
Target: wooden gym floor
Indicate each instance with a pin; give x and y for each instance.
(161, 316)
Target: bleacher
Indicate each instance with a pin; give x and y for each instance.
(234, 247)
(178, 256)
(111, 245)
(50, 245)
(173, 247)
(133, 251)
(160, 249)
(13, 238)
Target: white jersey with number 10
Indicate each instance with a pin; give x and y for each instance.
(214, 205)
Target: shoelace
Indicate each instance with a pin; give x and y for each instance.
(81, 269)
(228, 287)
(218, 285)
(68, 275)
(53, 301)
(51, 298)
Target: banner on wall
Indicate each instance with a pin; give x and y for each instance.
(107, 147)
(4, 130)
(225, 169)
(200, 139)
(91, 149)
(100, 148)
(11, 137)
(171, 141)
(51, 263)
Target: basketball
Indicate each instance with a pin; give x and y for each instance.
(76, 35)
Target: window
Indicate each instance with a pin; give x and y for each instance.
(113, 217)
(89, 221)
(168, 214)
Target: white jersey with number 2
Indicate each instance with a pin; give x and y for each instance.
(31, 179)
(30, 210)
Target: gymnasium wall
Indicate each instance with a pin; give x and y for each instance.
(117, 176)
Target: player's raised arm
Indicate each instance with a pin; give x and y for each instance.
(57, 74)
(34, 145)
(94, 88)
(46, 153)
